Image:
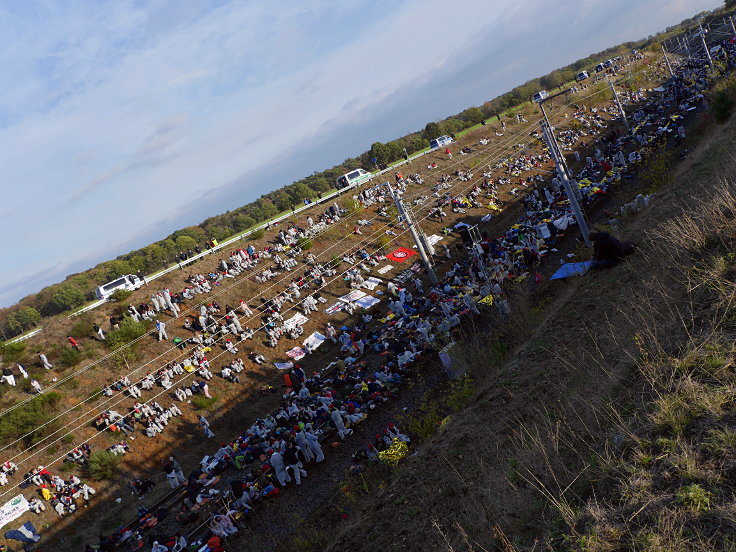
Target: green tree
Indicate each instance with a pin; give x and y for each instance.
(432, 130)
(417, 143)
(472, 116)
(282, 200)
(380, 152)
(319, 184)
(243, 222)
(395, 151)
(66, 298)
(195, 232)
(299, 191)
(155, 256)
(722, 105)
(185, 242)
(137, 263)
(453, 125)
(23, 320)
(109, 270)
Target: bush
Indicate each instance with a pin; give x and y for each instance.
(722, 106)
(305, 243)
(694, 496)
(70, 357)
(460, 392)
(11, 352)
(103, 465)
(425, 420)
(82, 326)
(122, 340)
(257, 234)
(656, 171)
(128, 331)
(120, 295)
(24, 422)
(382, 241)
(200, 402)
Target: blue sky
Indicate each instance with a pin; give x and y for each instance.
(123, 121)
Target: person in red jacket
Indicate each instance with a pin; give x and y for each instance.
(73, 342)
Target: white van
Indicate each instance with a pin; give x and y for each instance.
(581, 76)
(353, 178)
(129, 282)
(440, 142)
(541, 95)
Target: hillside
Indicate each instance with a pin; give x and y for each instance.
(564, 397)
(135, 352)
(609, 426)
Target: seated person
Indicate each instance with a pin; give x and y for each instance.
(607, 250)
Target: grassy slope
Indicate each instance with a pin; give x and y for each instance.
(610, 429)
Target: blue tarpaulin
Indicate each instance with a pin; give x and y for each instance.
(571, 269)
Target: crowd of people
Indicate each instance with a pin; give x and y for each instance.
(380, 350)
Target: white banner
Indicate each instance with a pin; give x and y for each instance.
(297, 320)
(13, 509)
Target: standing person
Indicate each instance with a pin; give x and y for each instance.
(336, 416)
(73, 343)
(161, 328)
(292, 460)
(331, 333)
(314, 445)
(99, 331)
(206, 426)
(176, 466)
(44, 361)
(205, 389)
(277, 463)
(172, 475)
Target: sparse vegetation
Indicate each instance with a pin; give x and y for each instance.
(305, 244)
(120, 295)
(200, 402)
(69, 357)
(25, 421)
(103, 465)
(11, 352)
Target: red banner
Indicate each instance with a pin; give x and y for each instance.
(401, 254)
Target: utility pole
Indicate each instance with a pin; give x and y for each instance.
(686, 44)
(667, 61)
(618, 103)
(404, 215)
(562, 169)
(705, 44)
(563, 164)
